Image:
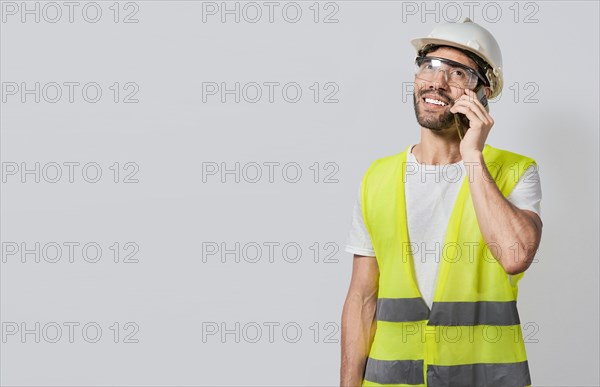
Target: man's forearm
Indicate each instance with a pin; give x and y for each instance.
(511, 235)
(358, 328)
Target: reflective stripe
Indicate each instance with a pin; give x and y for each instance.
(394, 371)
(474, 313)
(480, 375)
(401, 309)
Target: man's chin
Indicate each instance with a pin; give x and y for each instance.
(435, 125)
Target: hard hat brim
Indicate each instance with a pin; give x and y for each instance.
(419, 43)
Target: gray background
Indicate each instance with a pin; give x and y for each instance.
(175, 292)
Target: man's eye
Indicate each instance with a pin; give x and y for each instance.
(458, 73)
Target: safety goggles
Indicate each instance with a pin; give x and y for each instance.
(456, 74)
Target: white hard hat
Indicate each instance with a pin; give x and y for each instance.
(472, 37)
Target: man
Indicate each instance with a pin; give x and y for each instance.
(442, 232)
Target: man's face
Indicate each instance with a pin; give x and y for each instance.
(432, 116)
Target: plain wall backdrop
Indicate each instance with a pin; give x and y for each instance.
(165, 270)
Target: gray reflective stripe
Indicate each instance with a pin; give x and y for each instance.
(474, 313)
(394, 371)
(480, 375)
(402, 309)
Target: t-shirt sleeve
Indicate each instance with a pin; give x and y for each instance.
(359, 241)
(527, 194)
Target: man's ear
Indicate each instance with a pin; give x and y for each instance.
(488, 92)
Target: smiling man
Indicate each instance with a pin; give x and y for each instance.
(441, 235)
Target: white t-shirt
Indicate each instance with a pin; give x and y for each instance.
(431, 191)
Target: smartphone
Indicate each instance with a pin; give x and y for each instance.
(462, 120)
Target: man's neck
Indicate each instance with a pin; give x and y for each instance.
(437, 148)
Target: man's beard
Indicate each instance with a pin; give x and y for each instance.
(428, 120)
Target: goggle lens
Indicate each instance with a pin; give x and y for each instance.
(456, 74)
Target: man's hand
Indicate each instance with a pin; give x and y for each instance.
(480, 123)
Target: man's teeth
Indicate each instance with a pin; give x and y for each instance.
(435, 101)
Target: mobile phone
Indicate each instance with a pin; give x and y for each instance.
(480, 92)
(462, 122)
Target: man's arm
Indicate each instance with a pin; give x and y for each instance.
(358, 320)
(512, 234)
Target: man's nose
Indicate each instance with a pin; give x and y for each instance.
(439, 80)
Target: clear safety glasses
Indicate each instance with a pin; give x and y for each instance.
(456, 74)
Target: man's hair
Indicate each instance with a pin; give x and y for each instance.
(482, 65)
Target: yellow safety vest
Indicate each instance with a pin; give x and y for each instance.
(472, 334)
